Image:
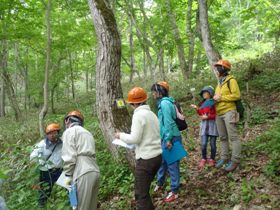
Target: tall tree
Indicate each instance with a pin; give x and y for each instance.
(108, 86)
(211, 53)
(44, 109)
(178, 40)
(2, 98)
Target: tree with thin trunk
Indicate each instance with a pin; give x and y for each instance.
(2, 98)
(211, 53)
(108, 85)
(191, 37)
(44, 110)
(178, 40)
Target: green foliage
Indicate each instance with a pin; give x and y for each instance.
(269, 143)
(259, 116)
(247, 191)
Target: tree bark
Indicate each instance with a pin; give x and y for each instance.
(2, 98)
(178, 40)
(131, 45)
(71, 75)
(211, 53)
(191, 35)
(44, 110)
(161, 64)
(7, 80)
(108, 85)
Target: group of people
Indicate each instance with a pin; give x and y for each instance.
(153, 137)
(75, 155)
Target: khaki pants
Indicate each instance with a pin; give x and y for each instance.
(227, 129)
(87, 187)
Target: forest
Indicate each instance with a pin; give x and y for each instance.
(63, 55)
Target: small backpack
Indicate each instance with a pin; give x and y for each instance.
(180, 118)
(239, 105)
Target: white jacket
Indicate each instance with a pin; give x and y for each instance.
(144, 133)
(42, 151)
(78, 152)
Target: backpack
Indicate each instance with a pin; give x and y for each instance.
(180, 118)
(239, 105)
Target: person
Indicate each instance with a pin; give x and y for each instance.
(208, 128)
(48, 154)
(80, 167)
(170, 137)
(145, 135)
(226, 93)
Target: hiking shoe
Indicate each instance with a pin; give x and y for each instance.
(158, 188)
(231, 166)
(202, 163)
(220, 163)
(211, 162)
(171, 197)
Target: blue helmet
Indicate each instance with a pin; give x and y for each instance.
(208, 89)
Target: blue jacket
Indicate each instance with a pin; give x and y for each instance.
(167, 116)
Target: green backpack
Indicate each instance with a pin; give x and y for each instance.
(239, 105)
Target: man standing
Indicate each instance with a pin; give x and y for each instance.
(226, 94)
(48, 154)
(78, 154)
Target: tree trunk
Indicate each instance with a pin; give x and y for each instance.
(108, 85)
(71, 75)
(178, 40)
(7, 80)
(161, 64)
(191, 40)
(2, 98)
(131, 45)
(26, 83)
(44, 110)
(211, 53)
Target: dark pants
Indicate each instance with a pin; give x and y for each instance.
(144, 174)
(204, 142)
(47, 180)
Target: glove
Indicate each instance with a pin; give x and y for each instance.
(68, 182)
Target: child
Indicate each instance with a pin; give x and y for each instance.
(208, 128)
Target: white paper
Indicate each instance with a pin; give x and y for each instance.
(123, 144)
(61, 181)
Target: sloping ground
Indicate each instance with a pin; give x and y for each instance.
(246, 188)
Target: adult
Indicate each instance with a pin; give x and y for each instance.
(78, 154)
(48, 154)
(171, 140)
(146, 138)
(226, 94)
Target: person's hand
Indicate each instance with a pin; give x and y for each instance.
(204, 117)
(168, 145)
(117, 135)
(194, 106)
(68, 181)
(217, 97)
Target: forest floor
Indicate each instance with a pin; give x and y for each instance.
(245, 188)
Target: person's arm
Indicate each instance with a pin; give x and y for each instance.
(168, 121)
(234, 92)
(36, 151)
(137, 128)
(69, 153)
(212, 113)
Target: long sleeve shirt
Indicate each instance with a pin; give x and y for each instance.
(144, 133)
(78, 152)
(45, 149)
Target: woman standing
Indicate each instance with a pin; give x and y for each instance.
(145, 135)
(226, 94)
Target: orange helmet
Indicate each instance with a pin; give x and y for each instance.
(52, 127)
(75, 113)
(164, 84)
(224, 63)
(136, 95)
